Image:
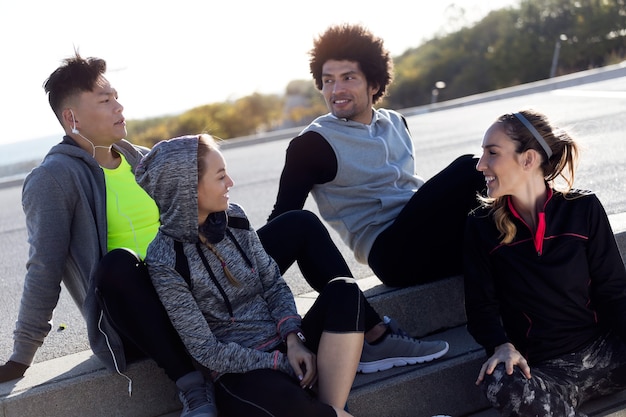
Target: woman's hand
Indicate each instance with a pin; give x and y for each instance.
(507, 354)
(302, 360)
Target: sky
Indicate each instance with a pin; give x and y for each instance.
(165, 57)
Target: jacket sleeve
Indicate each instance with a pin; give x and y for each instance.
(606, 268)
(194, 331)
(277, 293)
(309, 160)
(48, 210)
(481, 302)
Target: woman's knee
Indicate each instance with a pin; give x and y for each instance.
(345, 305)
(344, 280)
(254, 392)
(499, 387)
(118, 258)
(307, 222)
(342, 288)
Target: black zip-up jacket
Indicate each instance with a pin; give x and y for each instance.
(549, 294)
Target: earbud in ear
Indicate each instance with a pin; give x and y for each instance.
(74, 130)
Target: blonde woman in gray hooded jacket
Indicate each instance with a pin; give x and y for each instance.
(233, 310)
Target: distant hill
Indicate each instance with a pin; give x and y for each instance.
(20, 157)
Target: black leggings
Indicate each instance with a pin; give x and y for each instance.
(133, 307)
(425, 242)
(299, 236)
(267, 392)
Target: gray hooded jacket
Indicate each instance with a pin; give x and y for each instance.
(64, 200)
(226, 328)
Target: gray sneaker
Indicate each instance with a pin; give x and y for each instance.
(197, 396)
(398, 349)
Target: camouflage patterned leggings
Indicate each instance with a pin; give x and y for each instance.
(559, 386)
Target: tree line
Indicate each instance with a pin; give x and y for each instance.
(531, 41)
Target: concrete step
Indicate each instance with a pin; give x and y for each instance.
(79, 385)
(63, 386)
(444, 386)
(424, 389)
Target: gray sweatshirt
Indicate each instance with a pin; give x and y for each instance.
(64, 200)
(226, 328)
(375, 176)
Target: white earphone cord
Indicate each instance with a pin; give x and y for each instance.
(77, 132)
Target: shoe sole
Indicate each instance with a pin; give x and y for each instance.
(388, 363)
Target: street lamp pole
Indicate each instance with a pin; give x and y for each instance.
(555, 55)
(439, 85)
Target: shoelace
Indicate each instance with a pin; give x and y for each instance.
(394, 328)
(403, 336)
(400, 332)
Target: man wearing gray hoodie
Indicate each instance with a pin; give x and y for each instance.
(82, 207)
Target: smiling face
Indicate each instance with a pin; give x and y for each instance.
(501, 164)
(346, 91)
(213, 185)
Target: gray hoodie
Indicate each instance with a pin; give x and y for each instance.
(226, 328)
(64, 200)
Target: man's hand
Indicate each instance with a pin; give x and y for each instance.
(507, 354)
(302, 360)
(12, 370)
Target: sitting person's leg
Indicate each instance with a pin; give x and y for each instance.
(299, 236)
(514, 395)
(558, 387)
(424, 243)
(266, 392)
(601, 369)
(133, 307)
(334, 330)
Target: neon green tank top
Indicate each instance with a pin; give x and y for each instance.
(132, 216)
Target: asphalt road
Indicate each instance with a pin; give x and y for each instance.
(595, 113)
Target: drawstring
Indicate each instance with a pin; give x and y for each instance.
(130, 381)
(240, 249)
(224, 267)
(214, 279)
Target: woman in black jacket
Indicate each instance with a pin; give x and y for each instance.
(545, 284)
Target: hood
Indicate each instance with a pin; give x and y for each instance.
(169, 174)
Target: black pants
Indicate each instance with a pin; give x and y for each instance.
(267, 392)
(135, 311)
(299, 236)
(425, 242)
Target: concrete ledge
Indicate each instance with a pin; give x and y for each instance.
(79, 385)
(444, 386)
(413, 307)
